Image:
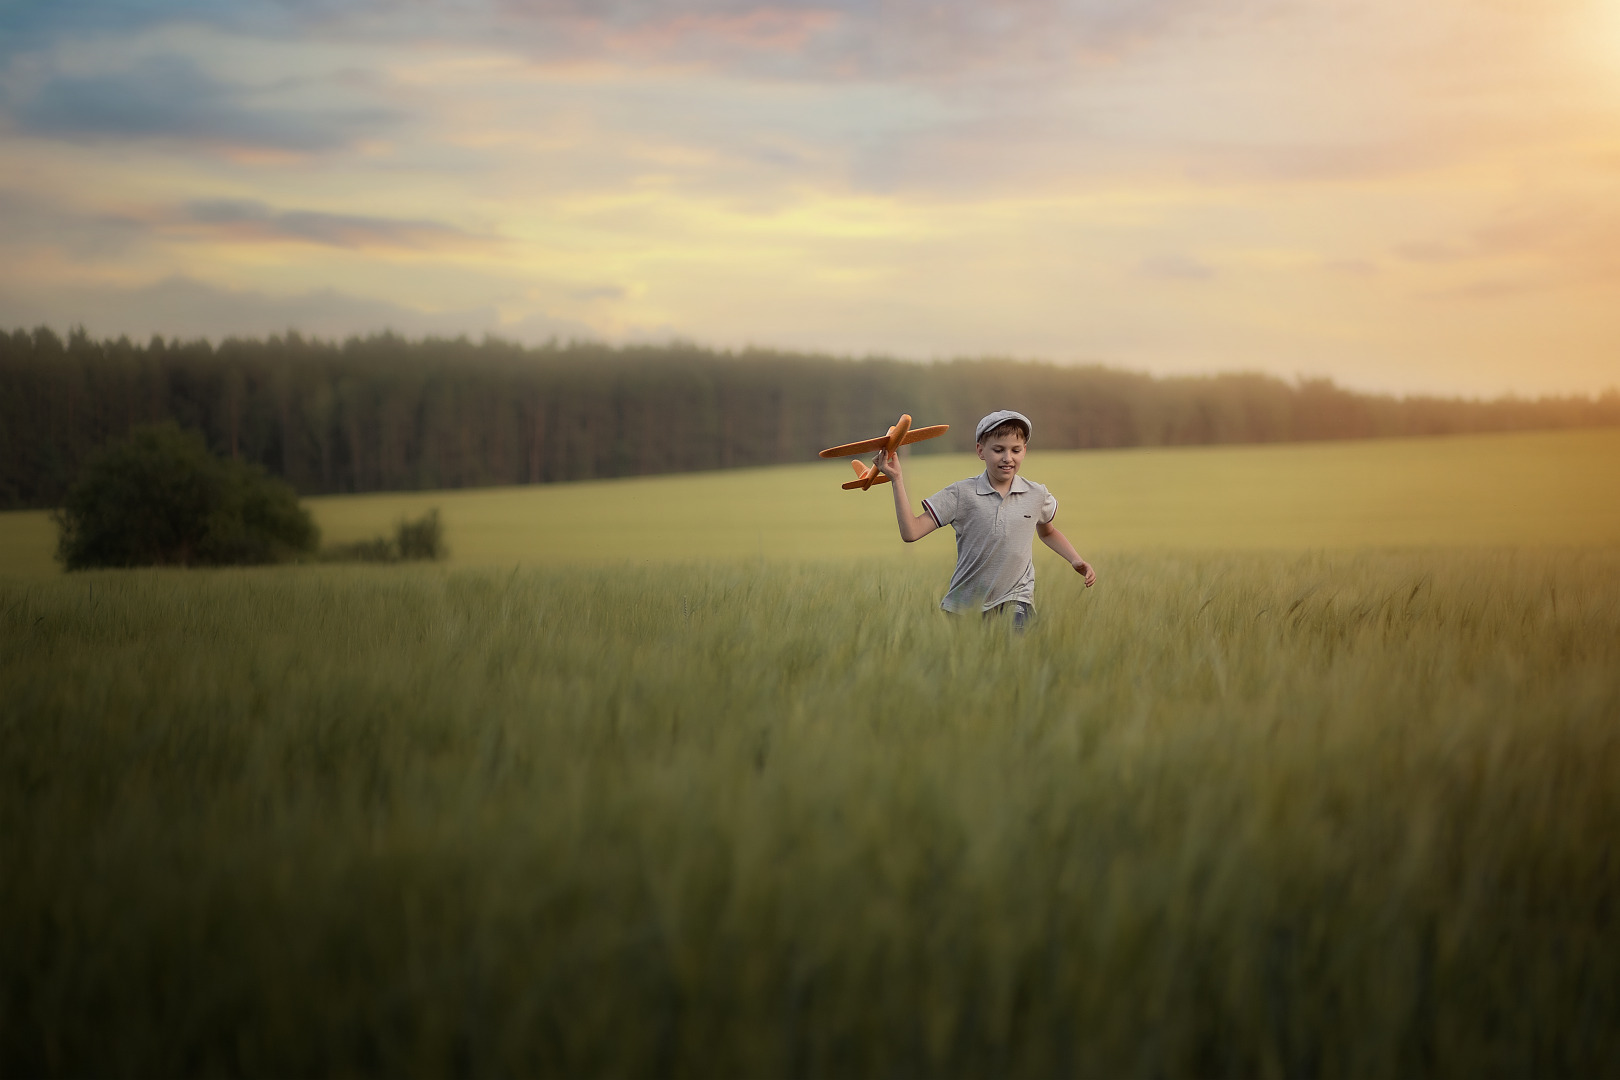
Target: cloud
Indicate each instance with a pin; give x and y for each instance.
(29, 222)
(1177, 268)
(170, 97)
(1361, 268)
(250, 220)
(1573, 237)
(32, 27)
(1435, 251)
(186, 308)
(797, 38)
(601, 292)
(839, 39)
(905, 40)
(1531, 247)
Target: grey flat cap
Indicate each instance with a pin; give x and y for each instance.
(995, 419)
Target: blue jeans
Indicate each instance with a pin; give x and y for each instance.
(1022, 614)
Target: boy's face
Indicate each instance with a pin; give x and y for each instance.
(1002, 455)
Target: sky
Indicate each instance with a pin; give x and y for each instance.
(1403, 195)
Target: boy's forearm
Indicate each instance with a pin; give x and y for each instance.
(1060, 544)
(902, 507)
(902, 511)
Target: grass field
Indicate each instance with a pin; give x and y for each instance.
(1529, 488)
(1284, 799)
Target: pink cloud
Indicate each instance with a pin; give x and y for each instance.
(763, 29)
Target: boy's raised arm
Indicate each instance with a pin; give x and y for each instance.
(912, 528)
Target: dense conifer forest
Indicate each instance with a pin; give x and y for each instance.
(387, 414)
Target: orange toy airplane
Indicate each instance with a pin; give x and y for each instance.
(896, 437)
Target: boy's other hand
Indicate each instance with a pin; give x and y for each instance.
(1085, 570)
(888, 464)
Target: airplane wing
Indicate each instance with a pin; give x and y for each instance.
(850, 449)
(920, 433)
(914, 435)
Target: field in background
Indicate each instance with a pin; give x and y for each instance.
(1242, 814)
(1520, 489)
(1319, 780)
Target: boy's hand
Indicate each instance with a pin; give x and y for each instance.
(1085, 570)
(888, 464)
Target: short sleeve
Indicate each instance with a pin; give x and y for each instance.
(941, 505)
(1048, 509)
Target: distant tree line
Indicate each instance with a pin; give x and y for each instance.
(387, 414)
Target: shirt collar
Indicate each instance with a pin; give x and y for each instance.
(984, 487)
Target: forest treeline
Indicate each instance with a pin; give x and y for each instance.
(387, 414)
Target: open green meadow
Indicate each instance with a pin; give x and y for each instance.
(689, 777)
(1525, 488)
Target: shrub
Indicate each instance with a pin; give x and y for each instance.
(422, 539)
(160, 498)
(377, 549)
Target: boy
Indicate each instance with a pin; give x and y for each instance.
(997, 516)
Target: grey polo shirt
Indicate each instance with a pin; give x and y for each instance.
(995, 539)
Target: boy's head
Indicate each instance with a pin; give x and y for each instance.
(1001, 424)
(1001, 439)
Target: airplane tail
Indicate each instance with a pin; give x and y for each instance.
(865, 477)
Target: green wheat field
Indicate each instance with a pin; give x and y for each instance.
(689, 777)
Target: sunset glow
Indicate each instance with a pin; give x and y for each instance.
(1404, 197)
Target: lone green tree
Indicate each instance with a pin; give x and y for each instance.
(160, 498)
